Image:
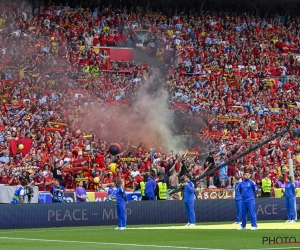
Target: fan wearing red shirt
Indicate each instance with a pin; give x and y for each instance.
(117, 38)
(128, 183)
(76, 147)
(14, 180)
(103, 40)
(110, 40)
(68, 181)
(39, 181)
(3, 178)
(49, 182)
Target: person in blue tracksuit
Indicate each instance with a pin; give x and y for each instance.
(18, 196)
(189, 198)
(238, 202)
(150, 189)
(248, 191)
(290, 193)
(121, 201)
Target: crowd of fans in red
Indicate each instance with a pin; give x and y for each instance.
(238, 74)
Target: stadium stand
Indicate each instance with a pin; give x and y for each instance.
(233, 80)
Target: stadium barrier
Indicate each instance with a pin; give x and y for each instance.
(145, 212)
(279, 192)
(6, 192)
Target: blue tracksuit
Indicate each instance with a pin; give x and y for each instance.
(248, 190)
(121, 206)
(290, 192)
(111, 194)
(149, 189)
(238, 203)
(189, 198)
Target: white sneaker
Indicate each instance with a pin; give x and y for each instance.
(228, 186)
(192, 225)
(293, 221)
(288, 221)
(212, 186)
(240, 223)
(188, 224)
(242, 228)
(236, 223)
(254, 228)
(122, 228)
(117, 228)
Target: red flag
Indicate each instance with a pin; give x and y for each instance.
(14, 146)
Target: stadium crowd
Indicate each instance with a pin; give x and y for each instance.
(237, 74)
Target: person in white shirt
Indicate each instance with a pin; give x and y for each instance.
(134, 173)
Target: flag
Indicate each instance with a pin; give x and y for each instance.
(14, 146)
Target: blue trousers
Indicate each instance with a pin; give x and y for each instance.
(248, 206)
(238, 208)
(290, 208)
(189, 209)
(121, 212)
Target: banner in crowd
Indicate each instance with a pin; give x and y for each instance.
(115, 54)
(44, 197)
(193, 153)
(209, 194)
(279, 192)
(70, 214)
(271, 82)
(216, 193)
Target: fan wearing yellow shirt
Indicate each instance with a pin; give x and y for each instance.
(106, 29)
(2, 21)
(22, 73)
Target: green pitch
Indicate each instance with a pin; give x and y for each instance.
(205, 236)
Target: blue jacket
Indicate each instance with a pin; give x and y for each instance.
(121, 195)
(149, 188)
(290, 190)
(111, 194)
(57, 196)
(16, 198)
(189, 193)
(237, 195)
(248, 190)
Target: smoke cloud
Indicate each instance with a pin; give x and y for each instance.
(147, 119)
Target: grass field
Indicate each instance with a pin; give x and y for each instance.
(206, 236)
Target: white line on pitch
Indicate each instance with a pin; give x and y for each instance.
(270, 248)
(107, 243)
